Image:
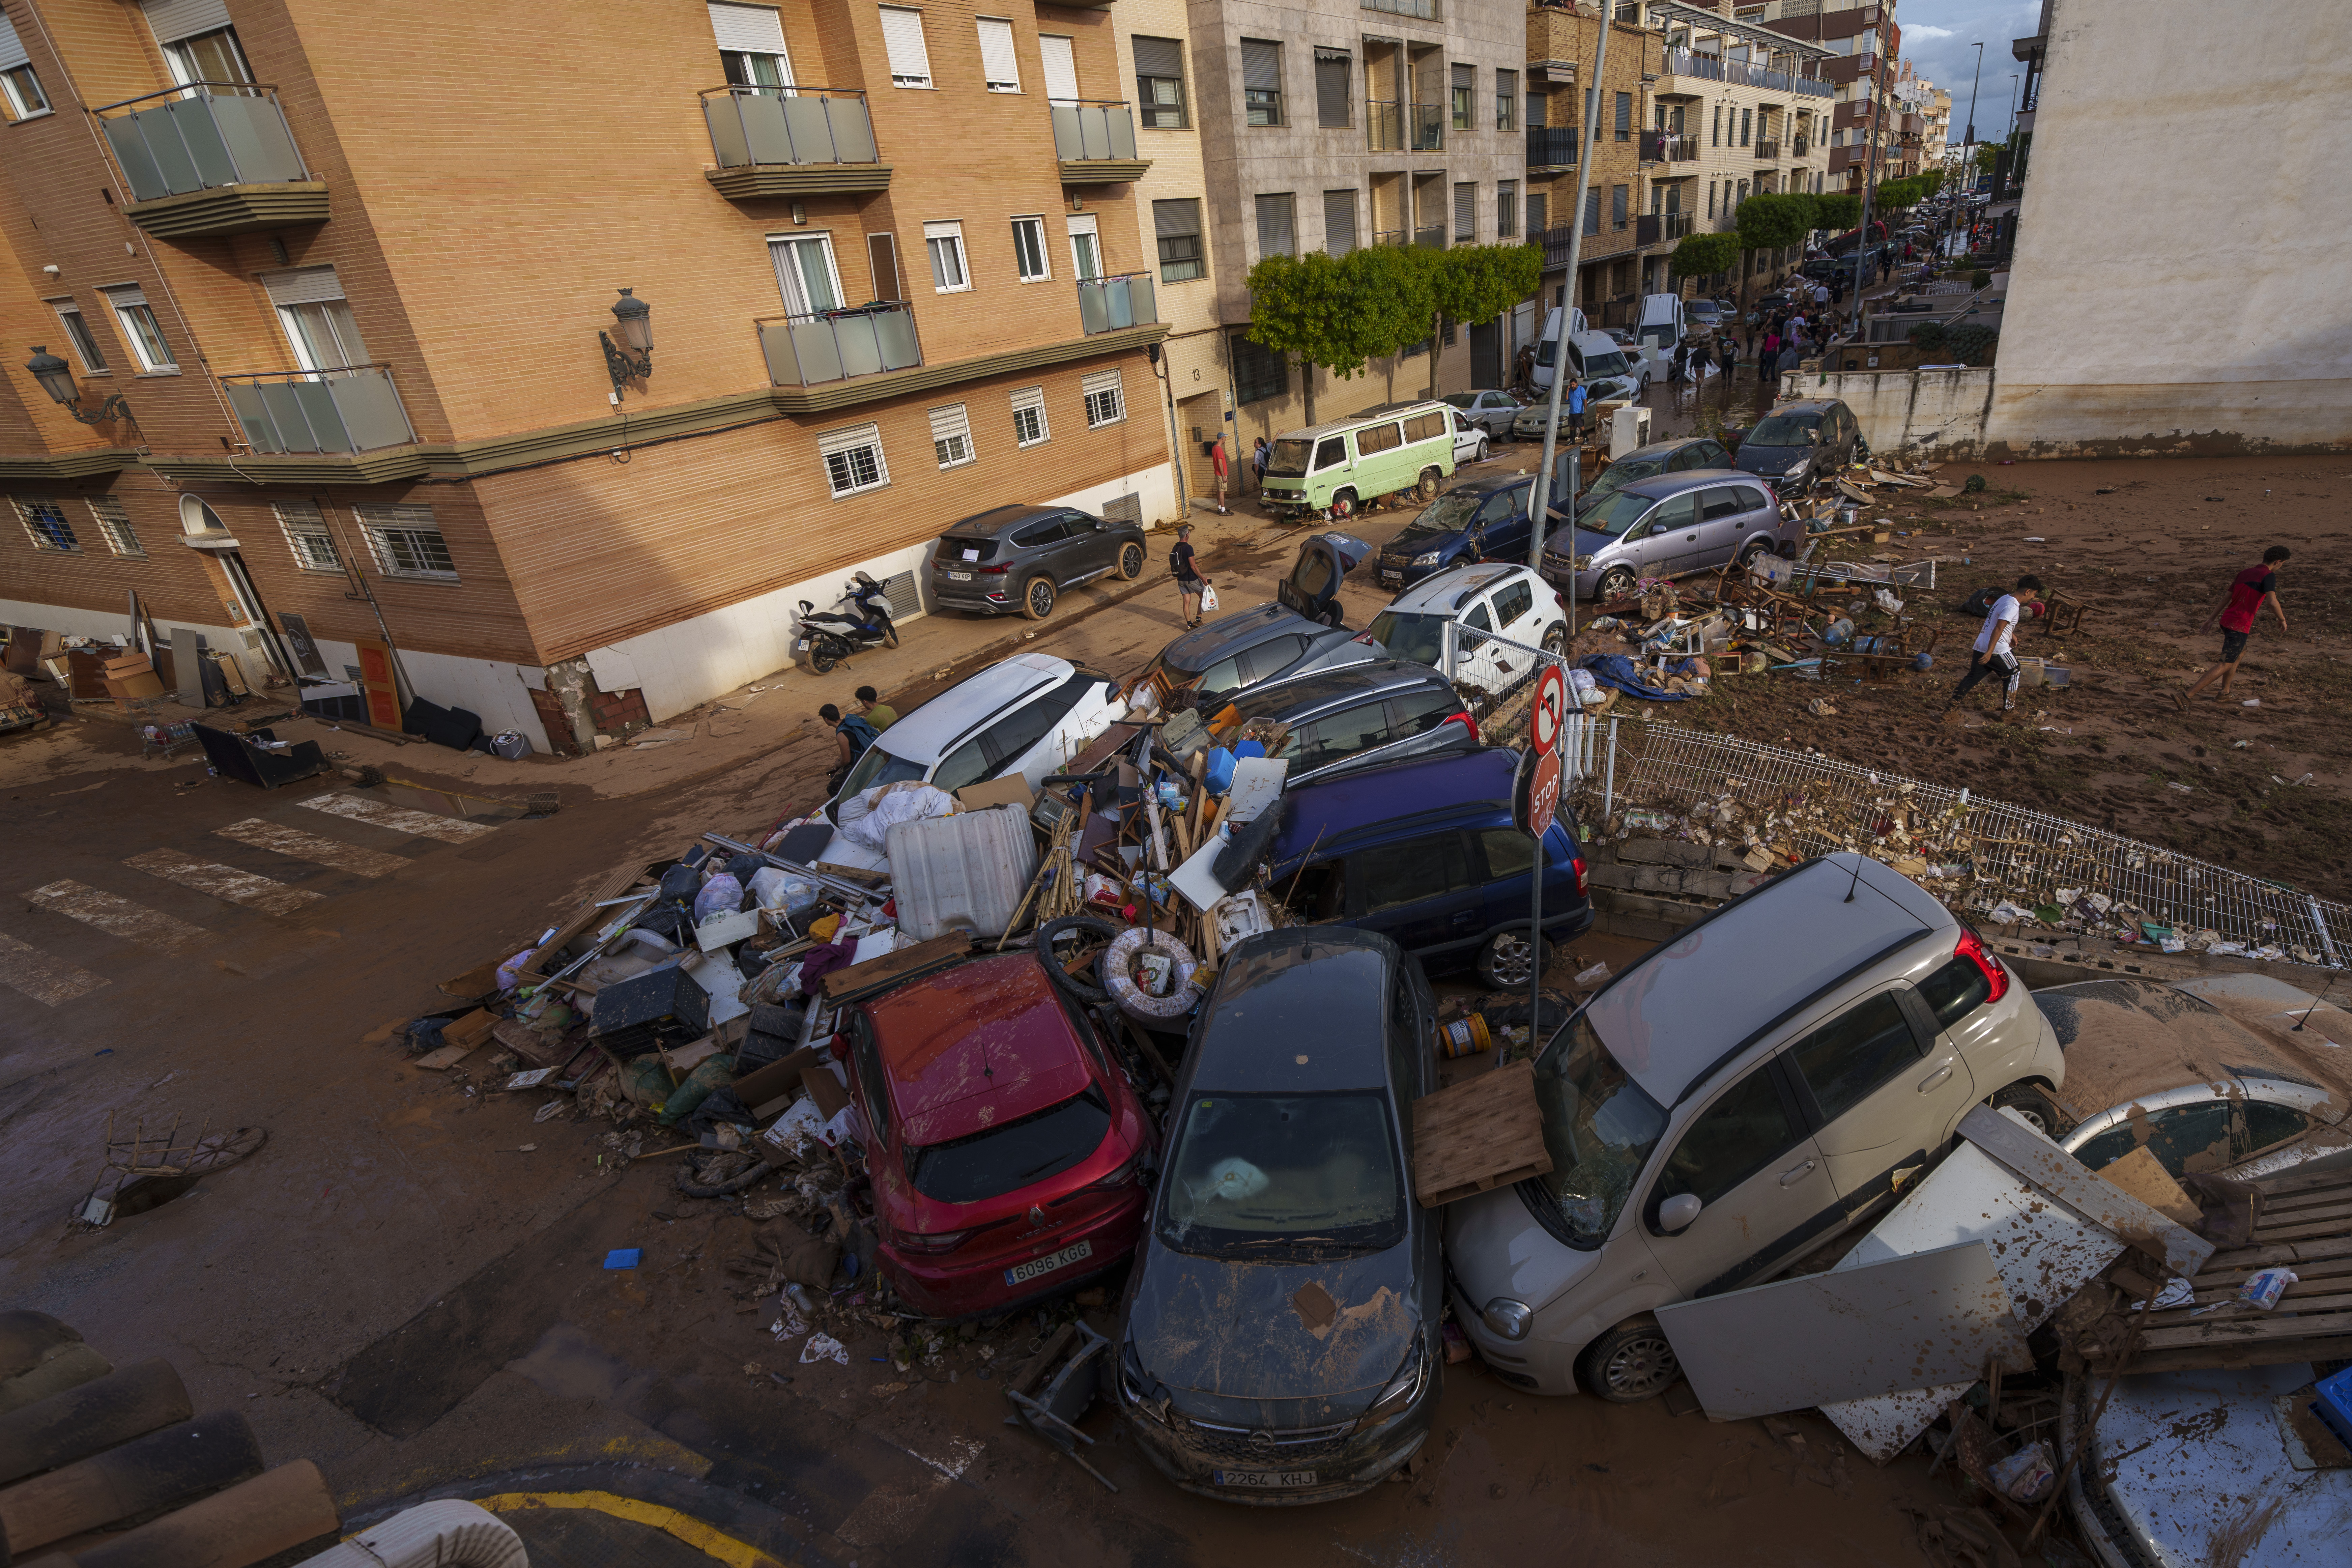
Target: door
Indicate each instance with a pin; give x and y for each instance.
(805, 275)
(1881, 1088)
(1092, 545)
(1515, 621)
(1476, 657)
(1504, 890)
(1759, 1182)
(1669, 535)
(882, 256)
(1759, 514)
(1721, 518)
(1421, 892)
(1086, 248)
(1487, 353)
(1500, 527)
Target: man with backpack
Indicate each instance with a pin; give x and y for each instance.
(851, 736)
(1190, 583)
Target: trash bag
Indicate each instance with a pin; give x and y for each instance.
(716, 1072)
(787, 892)
(680, 882)
(665, 919)
(722, 895)
(867, 819)
(720, 1105)
(424, 1034)
(645, 1081)
(512, 970)
(742, 866)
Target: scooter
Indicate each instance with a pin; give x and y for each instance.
(834, 636)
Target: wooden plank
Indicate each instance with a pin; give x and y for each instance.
(2181, 1317)
(620, 880)
(2288, 1253)
(1477, 1135)
(2232, 1357)
(443, 1056)
(2053, 1171)
(2302, 1230)
(472, 1029)
(903, 963)
(2263, 1326)
(2223, 1281)
(2303, 1182)
(2317, 1200)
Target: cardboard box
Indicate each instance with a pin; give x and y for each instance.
(472, 1029)
(136, 688)
(1012, 790)
(128, 664)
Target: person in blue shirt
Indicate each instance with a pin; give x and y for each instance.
(1576, 409)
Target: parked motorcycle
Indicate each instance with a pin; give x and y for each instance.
(829, 638)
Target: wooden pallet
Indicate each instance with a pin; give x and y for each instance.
(893, 968)
(1480, 1134)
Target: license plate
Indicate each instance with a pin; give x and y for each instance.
(1269, 1480)
(1021, 1273)
(959, 577)
(802, 645)
(1395, 579)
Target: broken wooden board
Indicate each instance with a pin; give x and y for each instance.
(1480, 1134)
(443, 1056)
(472, 1030)
(891, 968)
(2142, 1175)
(620, 879)
(2066, 1178)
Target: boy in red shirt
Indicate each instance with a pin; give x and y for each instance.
(2249, 592)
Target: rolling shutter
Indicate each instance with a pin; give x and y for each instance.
(12, 47)
(172, 20)
(902, 38)
(1331, 88)
(305, 286)
(1261, 66)
(1273, 226)
(999, 67)
(1062, 67)
(747, 29)
(1160, 57)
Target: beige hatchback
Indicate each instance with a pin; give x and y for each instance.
(1737, 1097)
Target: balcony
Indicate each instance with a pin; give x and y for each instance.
(1113, 304)
(1393, 236)
(1767, 150)
(211, 158)
(1392, 125)
(1681, 148)
(1800, 147)
(347, 410)
(836, 345)
(1711, 68)
(1650, 148)
(1431, 237)
(1665, 227)
(1095, 143)
(816, 141)
(1551, 146)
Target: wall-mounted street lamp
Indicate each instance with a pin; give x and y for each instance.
(57, 379)
(632, 359)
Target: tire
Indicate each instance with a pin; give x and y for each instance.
(1084, 990)
(1343, 504)
(1630, 1364)
(1617, 582)
(1555, 638)
(1503, 962)
(2031, 1101)
(1427, 488)
(1131, 561)
(1481, 451)
(1037, 597)
(822, 658)
(1755, 547)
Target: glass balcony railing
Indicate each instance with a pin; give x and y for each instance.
(1738, 73)
(1433, 237)
(1085, 131)
(201, 137)
(834, 345)
(1767, 149)
(1111, 304)
(351, 408)
(1551, 146)
(755, 126)
(1680, 147)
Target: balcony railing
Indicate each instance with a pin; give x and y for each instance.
(1393, 125)
(1673, 225)
(1768, 149)
(1111, 304)
(792, 141)
(1738, 73)
(1800, 147)
(201, 137)
(834, 345)
(1432, 237)
(1551, 146)
(351, 408)
(1681, 148)
(1095, 141)
(1393, 236)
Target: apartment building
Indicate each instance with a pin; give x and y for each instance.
(1751, 111)
(1619, 256)
(554, 386)
(1864, 41)
(1329, 124)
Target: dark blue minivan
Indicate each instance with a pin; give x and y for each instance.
(1424, 852)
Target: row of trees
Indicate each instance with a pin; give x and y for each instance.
(1771, 220)
(1379, 299)
(1900, 196)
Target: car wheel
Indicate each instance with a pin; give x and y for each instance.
(1755, 547)
(1630, 1363)
(1503, 964)
(1037, 598)
(1079, 930)
(1427, 489)
(1617, 584)
(2030, 1100)
(1131, 561)
(1481, 451)
(1555, 640)
(1344, 504)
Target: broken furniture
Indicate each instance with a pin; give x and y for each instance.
(233, 757)
(2063, 613)
(1055, 1388)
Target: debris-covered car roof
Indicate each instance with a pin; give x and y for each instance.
(1269, 989)
(971, 1046)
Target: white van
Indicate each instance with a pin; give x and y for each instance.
(1541, 374)
(1662, 325)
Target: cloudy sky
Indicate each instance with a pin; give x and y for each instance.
(1937, 35)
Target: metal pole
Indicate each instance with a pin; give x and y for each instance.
(1973, 80)
(1535, 941)
(1869, 189)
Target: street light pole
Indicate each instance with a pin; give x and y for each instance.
(1970, 140)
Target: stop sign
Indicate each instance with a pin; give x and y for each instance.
(1535, 793)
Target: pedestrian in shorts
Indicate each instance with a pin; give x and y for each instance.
(2249, 592)
(1992, 645)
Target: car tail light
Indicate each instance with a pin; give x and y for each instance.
(1971, 947)
(1579, 863)
(1123, 1176)
(1466, 722)
(936, 1241)
(993, 571)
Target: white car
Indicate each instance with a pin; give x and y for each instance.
(1510, 602)
(1469, 440)
(1027, 715)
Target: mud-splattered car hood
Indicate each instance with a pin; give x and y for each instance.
(1259, 1330)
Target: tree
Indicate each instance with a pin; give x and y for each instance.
(1704, 255)
(1837, 210)
(1387, 298)
(1295, 311)
(1771, 222)
(1472, 284)
(1986, 153)
(1894, 195)
(1931, 181)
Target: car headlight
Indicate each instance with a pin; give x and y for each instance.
(1798, 466)
(1428, 560)
(1582, 562)
(1510, 1319)
(1401, 1390)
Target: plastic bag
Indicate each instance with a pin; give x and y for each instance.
(1208, 600)
(2026, 1475)
(775, 888)
(512, 970)
(888, 806)
(722, 895)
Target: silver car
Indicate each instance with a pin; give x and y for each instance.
(1735, 1099)
(1489, 410)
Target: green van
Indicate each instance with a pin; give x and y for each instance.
(1334, 469)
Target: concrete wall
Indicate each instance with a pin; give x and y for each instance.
(2193, 301)
(1935, 413)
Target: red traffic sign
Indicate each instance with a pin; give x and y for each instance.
(1535, 793)
(1549, 714)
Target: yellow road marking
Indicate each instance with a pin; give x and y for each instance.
(668, 1521)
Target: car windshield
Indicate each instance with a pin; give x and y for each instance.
(1420, 638)
(1787, 430)
(1622, 472)
(878, 767)
(1616, 514)
(1599, 1127)
(1598, 366)
(1289, 459)
(1464, 400)
(1282, 1177)
(1006, 1158)
(1449, 514)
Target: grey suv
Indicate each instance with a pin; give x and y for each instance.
(1745, 1093)
(1339, 719)
(1666, 526)
(1022, 557)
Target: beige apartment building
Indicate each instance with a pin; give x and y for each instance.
(553, 365)
(1862, 37)
(1620, 256)
(1752, 109)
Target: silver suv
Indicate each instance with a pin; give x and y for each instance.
(1733, 1101)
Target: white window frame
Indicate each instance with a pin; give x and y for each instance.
(51, 543)
(113, 519)
(124, 300)
(1089, 229)
(1030, 427)
(742, 35)
(78, 334)
(951, 235)
(1105, 397)
(907, 49)
(1057, 56)
(392, 532)
(18, 110)
(791, 285)
(299, 520)
(842, 474)
(1000, 57)
(1035, 228)
(951, 441)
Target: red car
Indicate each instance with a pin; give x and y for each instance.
(1011, 1159)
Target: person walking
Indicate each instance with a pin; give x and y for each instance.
(1258, 465)
(1729, 349)
(1190, 583)
(1992, 645)
(1821, 297)
(1576, 410)
(2249, 592)
(1217, 462)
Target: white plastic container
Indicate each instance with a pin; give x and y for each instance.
(965, 872)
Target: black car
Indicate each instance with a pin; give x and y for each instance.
(1282, 1341)
(1648, 462)
(1483, 519)
(1802, 441)
(1248, 648)
(1022, 557)
(1383, 711)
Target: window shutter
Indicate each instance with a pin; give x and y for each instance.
(1463, 78)
(1159, 57)
(747, 29)
(951, 434)
(998, 65)
(12, 47)
(1465, 211)
(1029, 397)
(1338, 222)
(1061, 65)
(128, 294)
(1261, 66)
(848, 440)
(1332, 107)
(304, 286)
(1273, 226)
(1176, 219)
(902, 38)
(172, 20)
(1099, 381)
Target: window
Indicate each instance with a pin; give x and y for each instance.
(1955, 991)
(1592, 210)
(1178, 226)
(1745, 117)
(1537, 109)
(45, 522)
(951, 435)
(1506, 101)
(751, 46)
(1507, 209)
(1465, 212)
(406, 541)
(1408, 872)
(1262, 82)
(945, 242)
(1743, 190)
(85, 346)
(1538, 209)
(1715, 139)
(2268, 1122)
(316, 318)
(1619, 202)
(1338, 222)
(902, 40)
(1104, 404)
(1259, 373)
(1730, 1142)
(1424, 9)
(306, 534)
(1721, 502)
(1159, 82)
(999, 69)
(1465, 88)
(1029, 415)
(1517, 597)
(1710, 198)
(853, 459)
(1510, 852)
(141, 331)
(1848, 1058)
(2183, 1138)
(1337, 738)
(1624, 117)
(1029, 249)
(805, 273)
(1334, 90)
(1059, 57)
(1275, 226)
(209, 57)
(26, 99)
(1382, 438)
(114, 523)
(1086, 246)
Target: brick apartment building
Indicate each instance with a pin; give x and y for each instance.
(331, 321)
(1863, 37)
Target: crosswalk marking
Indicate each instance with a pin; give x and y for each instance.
(119, 917)
(300, 846)
(400, 819)
(46, 980)
(222, 881)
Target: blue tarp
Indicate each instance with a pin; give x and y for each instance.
(1615, 670)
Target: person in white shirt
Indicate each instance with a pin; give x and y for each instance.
(1992, 645)
(1821, 297)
